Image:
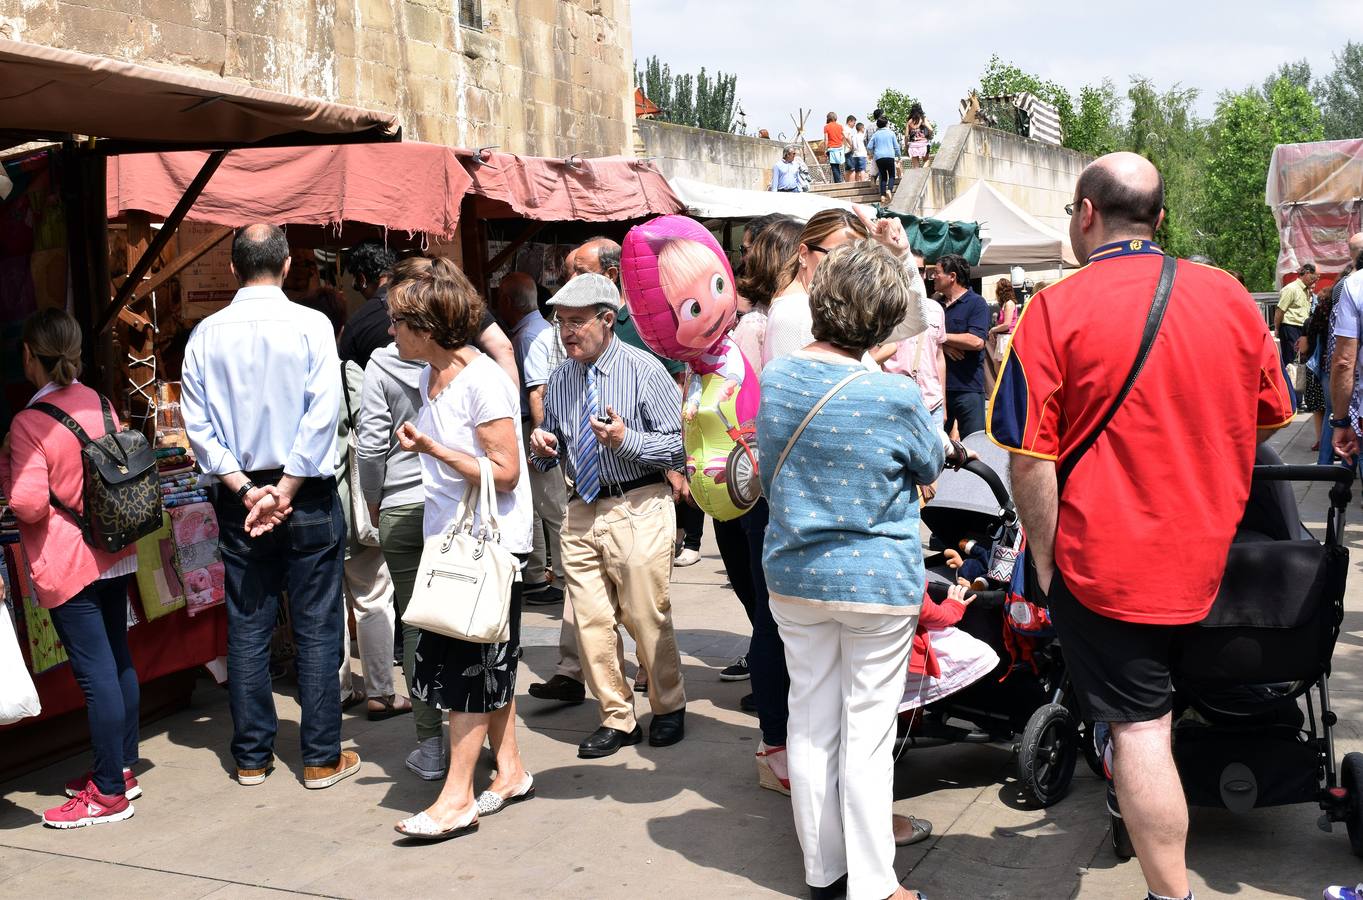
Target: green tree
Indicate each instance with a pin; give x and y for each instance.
(1292, 113)
(1162, 126)
(1245, 238)
(699, 101)
(656, 80)
(683, 110)
(715, 101)
(1097, 125)
(896, 105)
(1340, 95)
(1298, 73)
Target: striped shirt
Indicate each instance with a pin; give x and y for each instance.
(640, 391)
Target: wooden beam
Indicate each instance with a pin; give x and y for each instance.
(497, 261)
(176, 265)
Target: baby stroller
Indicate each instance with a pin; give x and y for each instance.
(1026, 702)
(1252, 718)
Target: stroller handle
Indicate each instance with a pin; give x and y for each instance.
(1337, 474)
(982, 470)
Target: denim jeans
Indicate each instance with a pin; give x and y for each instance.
(302, 556)
(966, 409)
(835, 169)
(93, 627)
(732, 539)
(766, 653)
(1287, 340)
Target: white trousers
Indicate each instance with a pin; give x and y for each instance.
(369, 592)
(846, 680)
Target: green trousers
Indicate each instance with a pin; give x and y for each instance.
(400, 537)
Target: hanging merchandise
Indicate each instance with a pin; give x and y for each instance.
(45, 650)
(197, 560)
(157, 580)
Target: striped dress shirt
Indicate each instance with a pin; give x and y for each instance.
(640, 391)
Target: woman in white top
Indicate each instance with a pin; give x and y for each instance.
(469, 409)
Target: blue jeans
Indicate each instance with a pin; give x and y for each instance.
(304, 556)
(1287, 340)
(93, 627)
(966, 409)
(767, 652)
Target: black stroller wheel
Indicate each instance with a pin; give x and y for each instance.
(1121, 839)
(1352, 781)
(1047, 754)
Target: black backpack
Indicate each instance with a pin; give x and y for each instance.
(122, 490)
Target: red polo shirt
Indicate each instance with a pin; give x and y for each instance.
(1148, 514)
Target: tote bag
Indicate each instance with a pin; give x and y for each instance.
(18, 697)
(463, 585)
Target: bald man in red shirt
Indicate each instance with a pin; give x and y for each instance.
(1132, 546)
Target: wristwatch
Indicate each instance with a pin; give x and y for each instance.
(245, 489)
(1340, 423)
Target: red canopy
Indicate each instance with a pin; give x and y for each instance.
(411, 187)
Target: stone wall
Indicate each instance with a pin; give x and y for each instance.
(724, 160)
(1038, 177)
(539, 77)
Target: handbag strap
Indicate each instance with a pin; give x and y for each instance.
(799, 430)
(488, 489)
(1153, 320)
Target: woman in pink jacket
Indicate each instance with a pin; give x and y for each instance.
(84, 589)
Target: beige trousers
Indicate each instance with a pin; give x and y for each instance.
(617, 558)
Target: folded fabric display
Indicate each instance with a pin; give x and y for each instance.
(181, 483)
(157, 581)
(194, 529)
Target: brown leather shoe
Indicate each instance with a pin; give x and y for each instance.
(253, 776)
(317, 777)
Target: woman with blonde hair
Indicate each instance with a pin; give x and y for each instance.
(83, 588)
(469, 410)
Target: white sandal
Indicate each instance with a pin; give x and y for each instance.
(490, 802)
(422, 827)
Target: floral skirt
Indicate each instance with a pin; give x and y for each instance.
(460, 676)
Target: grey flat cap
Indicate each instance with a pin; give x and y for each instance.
(587, 290)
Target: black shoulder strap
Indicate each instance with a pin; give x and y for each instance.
(61, 415)
(107, 408)
(345, 392)
(1152, 325)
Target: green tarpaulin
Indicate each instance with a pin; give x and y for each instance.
(935, 238)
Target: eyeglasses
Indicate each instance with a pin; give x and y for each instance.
(574, 327)
(1071, 207)
(400, 320)
(815, 248)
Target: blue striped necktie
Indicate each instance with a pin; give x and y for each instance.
(587, 464)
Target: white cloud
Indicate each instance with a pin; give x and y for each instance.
(840, 56)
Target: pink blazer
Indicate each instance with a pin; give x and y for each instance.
(45, 456)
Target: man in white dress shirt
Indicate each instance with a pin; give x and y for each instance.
(261, 392)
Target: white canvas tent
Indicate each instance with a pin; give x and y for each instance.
(707, 201)
(1011, 236)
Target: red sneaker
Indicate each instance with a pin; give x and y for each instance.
(89, 807)
(131, 789)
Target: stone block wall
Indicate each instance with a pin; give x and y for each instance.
(539, 77)
(724, 160)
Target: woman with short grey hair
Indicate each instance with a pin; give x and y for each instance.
(850, 448)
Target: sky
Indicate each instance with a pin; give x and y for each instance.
(799, 53)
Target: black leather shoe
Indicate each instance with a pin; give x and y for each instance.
(606, 740)
(832, 892)
(747, 703)
(542, 595)
(667, 729)
(560, 688)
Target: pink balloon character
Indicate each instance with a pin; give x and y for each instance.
(680, 290)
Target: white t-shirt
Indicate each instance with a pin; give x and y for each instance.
(480, 393)
(790, 327)
(857, 141)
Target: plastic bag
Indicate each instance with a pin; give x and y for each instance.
(18, 696)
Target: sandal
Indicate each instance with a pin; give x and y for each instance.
(766, 776)
(423, 828)
(490, 802)
(920, 829)
(388, 707)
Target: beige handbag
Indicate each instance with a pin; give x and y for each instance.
(463, 585)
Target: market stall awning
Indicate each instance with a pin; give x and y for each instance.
(1011, 235)
(411, 187)
(708, 201)
(47, 94)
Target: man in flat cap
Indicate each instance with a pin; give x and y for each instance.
(612, 417)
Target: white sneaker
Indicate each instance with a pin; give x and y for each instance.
(686, 557)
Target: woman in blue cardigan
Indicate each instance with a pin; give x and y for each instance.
(844, 562)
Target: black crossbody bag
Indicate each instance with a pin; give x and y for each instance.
(1153, 320)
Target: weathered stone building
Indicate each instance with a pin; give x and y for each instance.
(536, 77)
